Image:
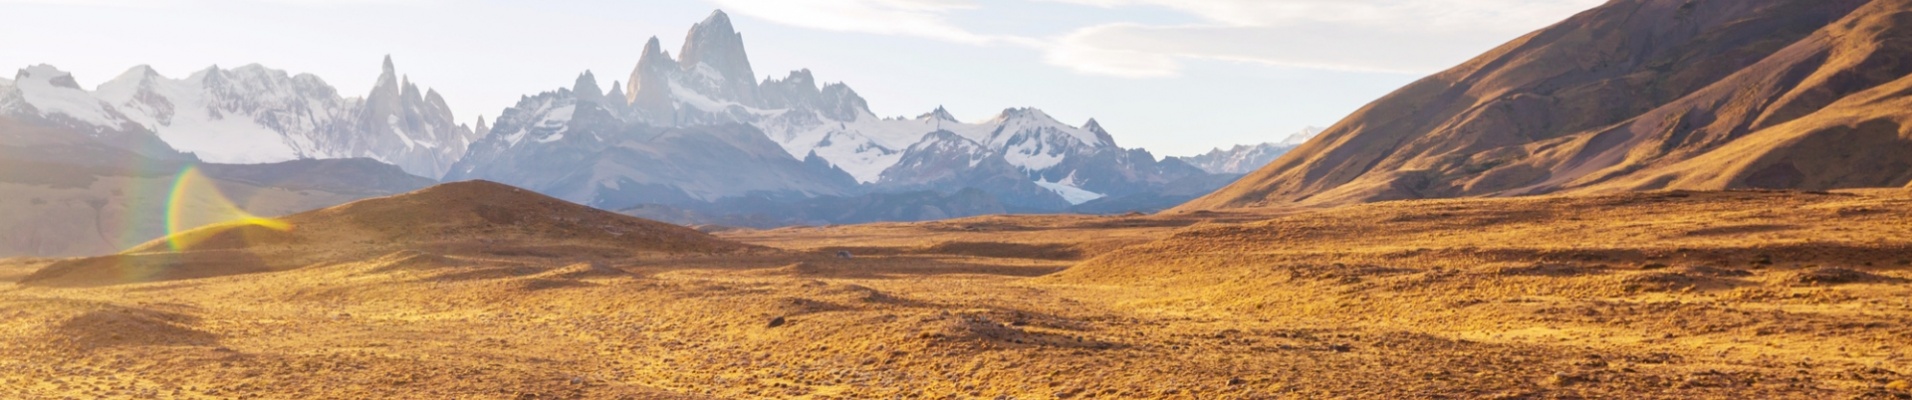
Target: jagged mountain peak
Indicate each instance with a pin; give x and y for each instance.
(938, 114)
(716, 42)
(827, 127)
(138, 72)
(1026, 119)
(1096, 128)
(714, 51)
(801, 78)
(653, 52)
(1013, 113)
(256, 114)
(49, 74)
(649, 92)
(1302, 136)
(586, 88)
(137, 78)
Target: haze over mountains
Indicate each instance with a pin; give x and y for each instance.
(696, 129)
(1244, 158)
(1675, 95)
(251, 115)
(696, 137)
(1632, 95)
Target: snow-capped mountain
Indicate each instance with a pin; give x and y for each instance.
(573, 144)
(711, 84)
(252, 114)
(44, 96)
(637, 143)
(1243, 159)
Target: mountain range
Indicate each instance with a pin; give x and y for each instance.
(690, 138)
(250, 115)
(1632, 95)
(691, 130)
(1243, 158)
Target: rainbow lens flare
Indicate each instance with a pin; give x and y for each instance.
(196, 202)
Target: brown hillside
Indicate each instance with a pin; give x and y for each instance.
(475, 218)
(1632, 95)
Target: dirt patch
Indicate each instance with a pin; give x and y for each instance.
(1553, 270)
(1833, 276)
(1054, 251)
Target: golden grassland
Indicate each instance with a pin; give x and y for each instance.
(1652, 295)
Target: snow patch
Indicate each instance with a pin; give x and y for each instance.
(37, 86)
(1298, 138)
(226, 140)
(1030, 155)
(1068, 191)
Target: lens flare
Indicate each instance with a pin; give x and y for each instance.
(196, 202)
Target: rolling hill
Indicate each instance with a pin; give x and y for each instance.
(465, 218)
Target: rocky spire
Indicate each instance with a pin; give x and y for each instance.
(615, 101)
(650, 91)
(386, 90)
(587, 89)
(716, 44)
(617, 93)
(482, 130)
(1101, 134)
(940, 113)
(797, 90)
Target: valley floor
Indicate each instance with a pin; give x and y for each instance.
(1662, 295)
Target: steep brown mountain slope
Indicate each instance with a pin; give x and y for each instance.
(1632, 95)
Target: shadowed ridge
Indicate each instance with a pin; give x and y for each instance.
(479, 218)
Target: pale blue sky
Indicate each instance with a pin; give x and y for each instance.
(1175, 76)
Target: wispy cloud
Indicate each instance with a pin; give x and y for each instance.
(921, 18)
(1393, 36)
(1413, 37)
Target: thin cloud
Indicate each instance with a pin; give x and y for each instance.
(1391, 36)
(920, 18)
(178, 3)
(1386, 36)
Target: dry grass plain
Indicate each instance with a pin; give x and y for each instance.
(1653, 295)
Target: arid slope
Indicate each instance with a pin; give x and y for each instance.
(1632, 95)
(1647, 295)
